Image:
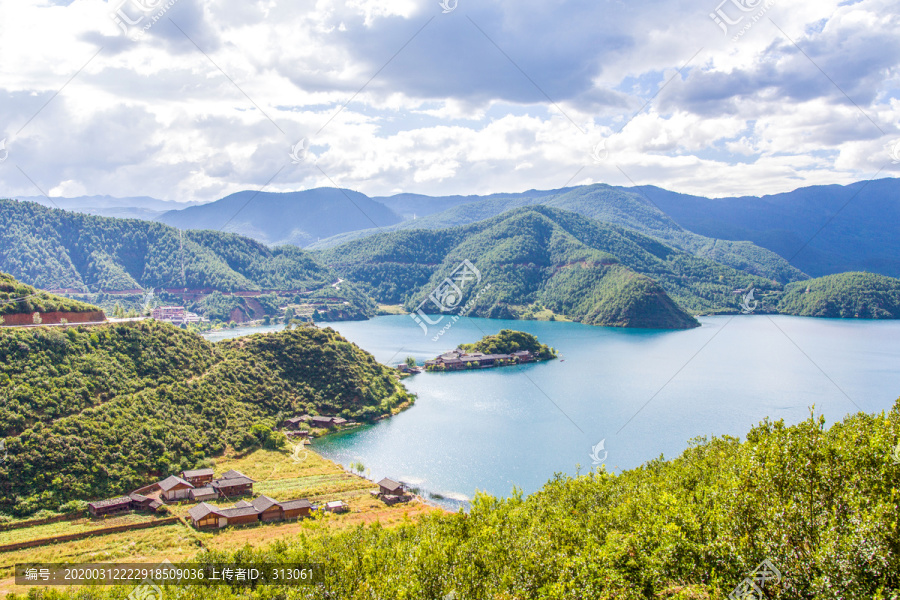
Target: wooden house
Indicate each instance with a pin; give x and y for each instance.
(239, 516)
(295, 422)
(110, 506)
(175, 488)
(198, 477)
(205, 516)
(139, 501)
(322, 421)
(294, 509)
(203, 493)
(269, 509)
(233, 486)
(232, 474)
(389, 487)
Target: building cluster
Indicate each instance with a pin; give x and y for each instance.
(319, 421)
(458, 360)
(175, 315)
(201, 485)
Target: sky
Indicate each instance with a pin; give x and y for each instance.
(191, 100)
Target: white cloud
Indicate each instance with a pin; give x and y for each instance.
(462, 108)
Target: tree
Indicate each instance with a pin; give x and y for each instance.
(410, 361)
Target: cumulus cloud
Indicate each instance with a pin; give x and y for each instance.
(491, 97)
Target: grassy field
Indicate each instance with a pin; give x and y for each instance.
(281, 475)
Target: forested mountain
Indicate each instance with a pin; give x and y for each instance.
(90, 412)
(846, 296)
(18, 298)
(586, 270)
(54, 249)
(627, 207)
(298, 218)
(822, 230)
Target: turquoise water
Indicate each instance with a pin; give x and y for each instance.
(643, 393)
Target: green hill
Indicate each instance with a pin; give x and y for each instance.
(54, 249)
(509, 341)
(90, 412)
(819, 503)
(584, 269)
(844, 296)
(18, 298)
(626, 207)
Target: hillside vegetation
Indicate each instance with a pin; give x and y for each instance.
(89, 412)
(580, 268)
(821, 504)
(845, 296)
(18, 298)
(509, 341)
(54, 249)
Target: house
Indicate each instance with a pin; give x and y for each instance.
(205, 515)
(294, 509)
(239, 515)
(269, 510)
(233, 486)
(168, 313)
(389, 487)
(336, 506)
(242, 504)
(203, 493)
(295, 422)
(321, 421)
(232, 474)
(198, 477)
(175, 488)
(111, 506)
(338, 421)
(523, 356)
(140, 502)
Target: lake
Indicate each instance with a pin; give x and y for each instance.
(644, 394)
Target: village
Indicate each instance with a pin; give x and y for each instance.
(201, 486)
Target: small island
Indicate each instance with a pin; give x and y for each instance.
(505, 349)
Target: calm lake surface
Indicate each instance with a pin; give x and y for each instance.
(643, 393)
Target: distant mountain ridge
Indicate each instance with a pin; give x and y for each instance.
(298, 218)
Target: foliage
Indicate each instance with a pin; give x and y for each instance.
(18, 298)
(90, 412)
(846, 295)
(821, 503)
(509, 341)
(583, 269)
(89, 254)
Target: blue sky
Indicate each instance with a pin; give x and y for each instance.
(410, 96)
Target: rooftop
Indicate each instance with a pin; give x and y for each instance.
(171, 482)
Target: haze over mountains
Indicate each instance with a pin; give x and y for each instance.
(819, 230)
